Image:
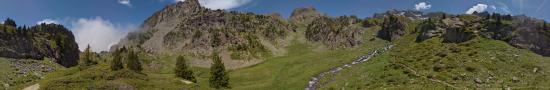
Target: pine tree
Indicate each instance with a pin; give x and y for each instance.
(183, 71)
(546, 26)
(133, 61)
(219, 78)
(86, 58)
(116, 63)
(10, 22)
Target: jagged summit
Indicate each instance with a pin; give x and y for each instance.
(191, 2)
(188, 28)
(304, 16)
(185, 8)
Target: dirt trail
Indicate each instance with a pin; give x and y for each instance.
(32, 87)
(313, 84)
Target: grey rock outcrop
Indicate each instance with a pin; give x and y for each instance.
(186, 27)
(305, 16)
(530, 35)
(335, 32)
(40, 41)
(456, 31)
(393, 27)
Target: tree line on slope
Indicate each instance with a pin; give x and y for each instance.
(219, 77)
(37, 42)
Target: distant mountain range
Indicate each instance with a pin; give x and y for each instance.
(188, 27)
(396, 49)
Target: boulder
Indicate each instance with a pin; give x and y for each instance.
(456, 31)
(393, 27)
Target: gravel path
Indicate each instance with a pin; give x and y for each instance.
(314, 82)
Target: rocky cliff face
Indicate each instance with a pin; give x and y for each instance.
(530, 34)
(37, 42)
(305, 16)
(518, 31)
(335, 32)
(186, 27)
(393, 27)
(460, 30)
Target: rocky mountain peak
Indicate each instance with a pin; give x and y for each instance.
(302, 11)
(304, 16)
(189, 4)
(185, 8)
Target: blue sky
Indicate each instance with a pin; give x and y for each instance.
(30, 11)
(121, 16)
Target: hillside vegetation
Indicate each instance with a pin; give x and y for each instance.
(458, 52)
(38, 42)
(186, 46)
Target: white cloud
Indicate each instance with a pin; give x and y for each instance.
(100, 34)
(477, 8)
(221, 4)
(48, 21)
(125, 2)
(422, 6)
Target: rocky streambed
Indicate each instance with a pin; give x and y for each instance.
(314, 81)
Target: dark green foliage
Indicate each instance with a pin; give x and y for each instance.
(132, 61)
(216, 38)
(219, 78)
(86, 58)
(10, 22)
(116, 63)
(545, 26)
(497, 29)
(38, 42)
(183, 70)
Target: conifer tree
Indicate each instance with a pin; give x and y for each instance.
(116, 63)
(10, 22)
(86, 57)
(133, 61)
(544, 25)
(219, 78)
(182, 69)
